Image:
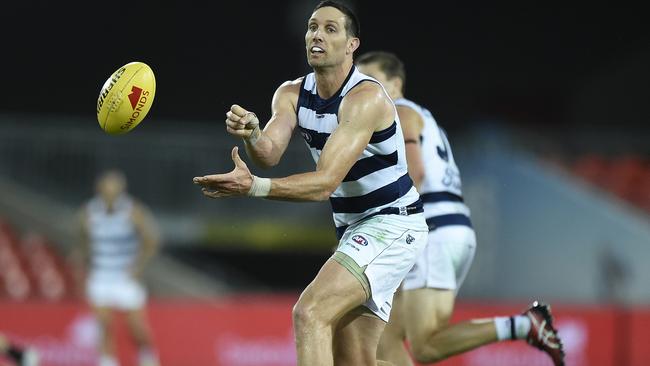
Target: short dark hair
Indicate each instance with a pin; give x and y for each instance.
(388, 63)
(352, 26)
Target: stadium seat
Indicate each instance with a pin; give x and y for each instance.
(640, 194)
(44, 266)
(590, 167)
(30, 267)
(16, 283)
(623, 175)
(626, 176)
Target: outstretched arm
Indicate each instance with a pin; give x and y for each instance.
(364, 110)
(266, 147)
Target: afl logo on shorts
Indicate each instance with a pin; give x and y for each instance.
(360, 240)
(409, 239)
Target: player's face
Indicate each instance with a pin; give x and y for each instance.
(326, 40)
(373, 70)
(110, 188)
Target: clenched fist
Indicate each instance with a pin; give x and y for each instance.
(242, 123)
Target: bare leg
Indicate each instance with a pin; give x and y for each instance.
(427, 315)
(107, 343)
(356, 339)
(391, 345)
(141, 333)
(332, 294)
(136, 319)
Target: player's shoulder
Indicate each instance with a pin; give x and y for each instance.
(288, 92)
(407, 110)
(90, 205)
(140, 211)
(291, 86)
(136, 204)
(408, 103)
(410, 107)
(369, 91)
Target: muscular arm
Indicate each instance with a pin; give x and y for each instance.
(266, 147)
(148, 235)
(364, 110)
(412, 125)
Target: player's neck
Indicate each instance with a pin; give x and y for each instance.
(330, 79)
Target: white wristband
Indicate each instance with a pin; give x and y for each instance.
(260, 187)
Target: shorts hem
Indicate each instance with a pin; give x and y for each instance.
(358, 272)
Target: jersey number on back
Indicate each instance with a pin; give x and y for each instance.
(443, 151)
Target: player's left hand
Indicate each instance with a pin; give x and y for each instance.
(236, 183)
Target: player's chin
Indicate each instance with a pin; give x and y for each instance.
(315, 61)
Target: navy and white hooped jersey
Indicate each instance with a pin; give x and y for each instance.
(441, 189)
(114, 242)
(379, 179)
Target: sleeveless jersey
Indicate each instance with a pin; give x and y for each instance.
(378, 182)
(441, 189)
(113, 239)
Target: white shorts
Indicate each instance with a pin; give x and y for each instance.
(446, 259)
(123, 293)
(385, 247)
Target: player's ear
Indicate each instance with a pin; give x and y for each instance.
(353, 44)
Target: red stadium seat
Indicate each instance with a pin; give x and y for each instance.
(627, 176)
(592, 168)
(16, 283)
(640, 194)
(623, 175)
(45, 267)
(30, 267)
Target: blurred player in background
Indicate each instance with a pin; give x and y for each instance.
(425, 303)
(352, 129)
(19, 355)
(119, 237)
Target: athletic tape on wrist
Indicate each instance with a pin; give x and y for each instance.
(260, 187)
(254, 136)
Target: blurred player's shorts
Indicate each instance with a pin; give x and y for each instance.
(446, 260)
(123, 293)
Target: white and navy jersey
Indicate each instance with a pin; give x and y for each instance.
(378, 183)
(441, 189)
(114, 242)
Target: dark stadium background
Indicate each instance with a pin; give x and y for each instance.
(567, 83)
(525, 62)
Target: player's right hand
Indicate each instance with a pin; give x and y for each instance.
(240, 122)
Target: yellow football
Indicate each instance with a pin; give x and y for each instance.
(125, 98)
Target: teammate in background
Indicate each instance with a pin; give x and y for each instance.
(20, 356)
(425, 303)
(352, 129)
(119, 237)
